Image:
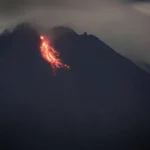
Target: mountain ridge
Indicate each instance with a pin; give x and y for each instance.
(102, 102)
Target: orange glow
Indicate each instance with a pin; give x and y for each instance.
(50, 55)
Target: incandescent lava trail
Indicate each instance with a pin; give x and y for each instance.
(50, 54)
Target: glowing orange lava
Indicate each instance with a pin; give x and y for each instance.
(50, 55)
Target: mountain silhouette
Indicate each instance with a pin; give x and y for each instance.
(101, 102)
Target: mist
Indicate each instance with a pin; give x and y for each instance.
(123, 26)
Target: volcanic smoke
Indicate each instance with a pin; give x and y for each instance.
(50, 54)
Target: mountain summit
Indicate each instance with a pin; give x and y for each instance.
(101, 102)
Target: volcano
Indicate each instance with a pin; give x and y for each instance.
(101, 102)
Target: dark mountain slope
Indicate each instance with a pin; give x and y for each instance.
(102, 102)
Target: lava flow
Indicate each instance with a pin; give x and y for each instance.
(50, 54)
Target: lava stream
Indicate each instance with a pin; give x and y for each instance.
(50, 54)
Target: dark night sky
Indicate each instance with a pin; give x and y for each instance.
(102, 102)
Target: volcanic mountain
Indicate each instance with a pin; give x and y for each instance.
(100, 102)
